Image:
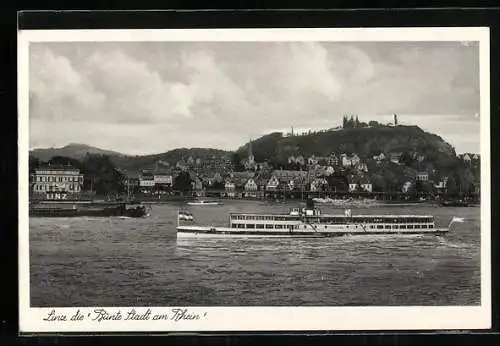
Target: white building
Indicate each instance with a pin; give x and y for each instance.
(272, 183)
(162, 179)
(57, 181)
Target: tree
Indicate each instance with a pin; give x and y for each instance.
(236, 159)
(338, 182)
(34, 162)
(183, 182)
(102, 175)
(451, 187)
(406, 158)
(65, 161)
(218, 185)
(356, 124)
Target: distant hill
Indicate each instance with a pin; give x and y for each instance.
(128, 162)
(73, 150)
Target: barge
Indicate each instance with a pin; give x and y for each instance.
(88, 210)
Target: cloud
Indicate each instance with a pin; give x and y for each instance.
(176, 94)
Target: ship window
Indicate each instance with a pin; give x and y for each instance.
(417, 226)
(371, 226)
(233, 225)
(388, 226)
(240, 225)
(431, 226)
(269, 226)
(259, 226)
(424, 226)
(278, 226)
(402, 227)
(410, 226)
(380, 226)
(395, 226)
(250, 225)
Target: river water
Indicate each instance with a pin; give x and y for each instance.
(139, 262)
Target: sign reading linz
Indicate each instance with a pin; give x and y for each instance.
(57, 195)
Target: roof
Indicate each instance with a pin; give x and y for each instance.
(289, 174)
(58, 167)
(243, 175)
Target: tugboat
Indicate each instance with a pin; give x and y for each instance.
(309, 222)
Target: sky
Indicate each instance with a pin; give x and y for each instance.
(150, 97)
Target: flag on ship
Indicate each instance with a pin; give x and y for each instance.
(184, 215)
(457, 219)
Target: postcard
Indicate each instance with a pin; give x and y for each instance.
(254, 180)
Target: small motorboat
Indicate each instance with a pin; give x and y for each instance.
(204, 202)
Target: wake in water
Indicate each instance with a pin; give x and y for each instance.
(454, 244)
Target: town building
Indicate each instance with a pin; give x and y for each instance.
(312, 160)
(395, 157)
(366, 185)
(362, 167)
(146, 182)
(422, 176)
(441, 185)
(329, 170)
(332, 160)
(319, 184)
(162, 179)
(57, 182)
(350, 161)
(251, 188)
(406, 186)
(230, 189)
(272, 183)
(379, 157)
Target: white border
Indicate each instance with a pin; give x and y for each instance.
(263, 318)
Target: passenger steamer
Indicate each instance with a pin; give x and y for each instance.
(310, 222)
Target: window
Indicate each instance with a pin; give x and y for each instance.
(417, 226)
(431, 226)
(402, 227)
(395, 227)
(250, 225)
(233, 225)
(424, 226)
(269, 226)
(240, 225)
(259, 226)
(410, 227)
(278, 226)
(380, 226)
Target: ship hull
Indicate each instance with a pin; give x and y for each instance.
(87, 211)
(226, 232)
